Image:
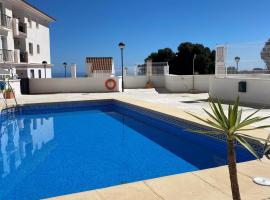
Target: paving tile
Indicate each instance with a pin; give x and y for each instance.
(219, 177)
(91, 195)
(254, 168)
(185, 186)
(132, 191)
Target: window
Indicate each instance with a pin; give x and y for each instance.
(37, 25)
(32, 73)
(39, 73)
(31, 48)
(38, 49)
(30, 23)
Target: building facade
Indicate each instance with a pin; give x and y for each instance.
(25, 40)
(100, 66)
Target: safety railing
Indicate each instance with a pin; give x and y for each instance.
(6, 55)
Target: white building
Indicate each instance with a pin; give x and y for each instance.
(96, 66)
(25, 39)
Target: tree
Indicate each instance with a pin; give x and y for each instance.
(231, 125)
(163, 55)
(182, 61)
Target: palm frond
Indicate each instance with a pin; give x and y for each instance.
(204, 131)
(251, 137)
(251, 121)
(245, 144)
(211, 123)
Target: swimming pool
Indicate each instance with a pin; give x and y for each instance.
(55, 149)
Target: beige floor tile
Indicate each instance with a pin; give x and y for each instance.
(184, 187)
(91, 195)
(254, 168)
(133, 191)
(219, 177)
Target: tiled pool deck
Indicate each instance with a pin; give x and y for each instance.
(210, 184)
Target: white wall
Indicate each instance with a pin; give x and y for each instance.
(38, 36)
(133, 82)
(69, 85)
(258, 90)
(184, 83)
(16, 86)
(158, 81)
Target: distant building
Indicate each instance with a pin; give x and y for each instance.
(24, 39)
(265, 54)
(100, 66)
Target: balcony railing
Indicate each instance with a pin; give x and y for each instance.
(6, 55)
(6, 21)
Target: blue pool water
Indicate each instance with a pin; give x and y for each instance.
(51, 150)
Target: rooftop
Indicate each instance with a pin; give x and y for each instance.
(100, 63)
(26, 5)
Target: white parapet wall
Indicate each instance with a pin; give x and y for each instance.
(173, 83)
(16, 86)
(72, 85)
(158, 81)
(184, 83)
(135, 82)
(226, 89)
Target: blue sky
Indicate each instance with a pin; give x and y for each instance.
(95, 27)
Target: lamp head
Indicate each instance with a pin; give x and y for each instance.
(237, 59)
(121, 45)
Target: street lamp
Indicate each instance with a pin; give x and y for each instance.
(122, 46)
(237, 60)
(193, 70)
(65, 66)
(45, 64)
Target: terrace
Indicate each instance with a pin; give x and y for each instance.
(204, 184)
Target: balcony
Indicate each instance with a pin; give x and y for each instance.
(19, 29)
(6, 21)
(6, 55)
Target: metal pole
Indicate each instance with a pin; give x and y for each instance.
(65, 71)
(193, 84)
(45, 71)
(122, 70)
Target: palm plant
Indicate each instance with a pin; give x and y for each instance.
(231, 125)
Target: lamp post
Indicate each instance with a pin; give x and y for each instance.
(65, 66)
(45, 64)
(237, 60)
(193, 70)
(122, 46)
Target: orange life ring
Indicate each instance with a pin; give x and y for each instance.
(110, 84)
